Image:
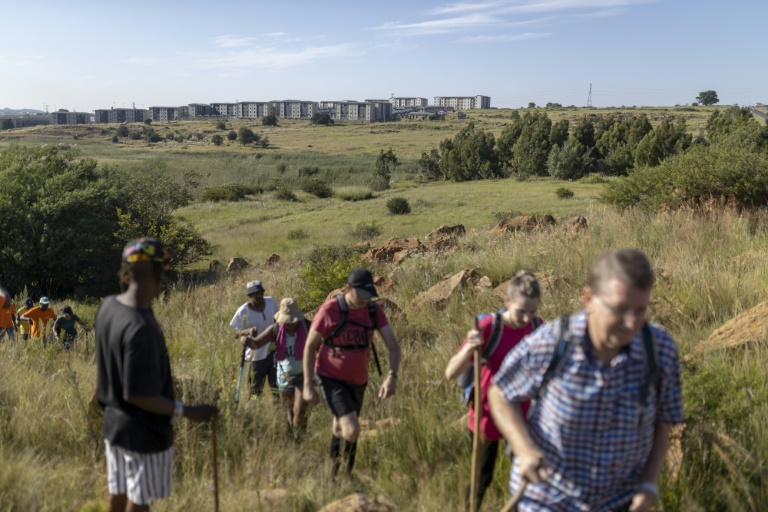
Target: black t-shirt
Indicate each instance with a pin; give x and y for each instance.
(132, 359)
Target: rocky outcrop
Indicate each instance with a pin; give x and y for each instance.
(359, 502)
(390, 251)
(439, 294)
(237, 264)
(451, 231)
(522, 223)
(272, 260)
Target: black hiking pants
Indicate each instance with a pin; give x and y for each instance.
(488, 452)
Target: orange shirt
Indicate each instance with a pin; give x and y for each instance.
(6, 316)
(37, 314)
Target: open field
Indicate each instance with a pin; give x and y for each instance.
(710, 267)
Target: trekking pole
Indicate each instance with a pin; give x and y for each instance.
(214, 425)
(511, 505)
(240, 375)
(473, 483)
(376, 357)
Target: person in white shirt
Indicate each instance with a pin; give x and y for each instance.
(255, 316)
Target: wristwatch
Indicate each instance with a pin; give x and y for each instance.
(393, 373)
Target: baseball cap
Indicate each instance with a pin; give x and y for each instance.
(44, 300)
(254, 286)
(362, 281)
(66, 310)
(146, 249)
(28, 302)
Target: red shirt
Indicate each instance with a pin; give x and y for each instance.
(509, 339)
(350, 365)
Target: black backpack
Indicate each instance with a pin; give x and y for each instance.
(344, 319)
(466, 381)
(565, 344)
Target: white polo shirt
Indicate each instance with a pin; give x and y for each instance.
(245, 318)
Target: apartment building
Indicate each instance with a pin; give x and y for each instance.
(463, 102)
(200, 110)
(403, 102)
(252, 109)
(65, 117)
(165, 114)
(293, 109)
(120, 115)
(224, 109)
(364, 111)
(27, 120)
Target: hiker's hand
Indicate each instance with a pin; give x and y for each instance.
(200, 413)
(388, 387)
(308, 393)
(474, 340)
(244, 341)
(532, 466)
(642, 502)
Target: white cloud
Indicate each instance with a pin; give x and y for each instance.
(504, 38)
(440, 26)
(230, 41)
(272, 58)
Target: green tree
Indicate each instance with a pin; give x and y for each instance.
(509, 136)
(232, 135)
(530, 151)
(531, 105)
(470, 155)
(570, 161)
(6, 124)
(123, 131)
(429, 165)
(740, 121)
(707, 98)
(217, 140)
(269, 120)
(558, 134)
(246, 136)
(148, 121)
(386, 162)
(667, 139)
(321, 118)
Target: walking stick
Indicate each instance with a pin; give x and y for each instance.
(511, 505)
(473, 483)
(214, 426)
(240, 376)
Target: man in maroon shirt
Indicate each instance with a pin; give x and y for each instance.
(340, 360)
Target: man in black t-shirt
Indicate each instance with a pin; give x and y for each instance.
(134, 385)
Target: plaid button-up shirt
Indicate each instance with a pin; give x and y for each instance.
(590, 423)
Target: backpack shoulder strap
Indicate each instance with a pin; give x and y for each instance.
(372, 313)
(564, 339)
(344, 310)
(652, 372)
(536, 322)
(497, 327)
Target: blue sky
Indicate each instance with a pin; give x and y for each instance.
(85, 55)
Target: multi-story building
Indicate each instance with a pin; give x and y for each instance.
(293, 109)
(120, 115)
(367, 111)
(199, 110)
(65, 117)
(23, 121)
(463, 102)
(252, 109)
(408, 102)
(165, 114)
(224, 109)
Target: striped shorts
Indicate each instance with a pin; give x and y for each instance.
(144, 477)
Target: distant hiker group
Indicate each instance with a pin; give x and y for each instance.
(584, 402)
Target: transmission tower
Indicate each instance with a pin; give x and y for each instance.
(589, 98)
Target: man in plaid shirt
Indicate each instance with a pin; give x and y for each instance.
(592, 441)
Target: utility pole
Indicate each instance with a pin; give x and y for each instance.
(589, 98)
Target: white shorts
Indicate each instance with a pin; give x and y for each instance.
(144, 477)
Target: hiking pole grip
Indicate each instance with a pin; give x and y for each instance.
(474, 481)
(240, 375)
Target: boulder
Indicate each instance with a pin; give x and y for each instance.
(522, 223)
(546, 221)
(445, 289)
(751, 326)
(383, 284)
(393, 311)
(359, 502)
(214, 266)
(451, 231)
(574, 225)
(387, 252)
(441, 243)
(272, 260)
(333, 294)
(237, 264)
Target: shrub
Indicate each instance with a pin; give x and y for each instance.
(306, 172)
(398, 206)
(327, 269)
(221, 125)
(283, 194)
(317, 188)
(269, 120)
(355, 195)
(123, 131)
(231, 192)
(154, 137)
(232, 135)
(564, 193)
(136, 135)
(246, 136)
(365, 231)
(115, 139)
(297, 234)
(148, 121)
(217, 140)
(281, 168)
(263, 141)
(593, 179)
(321, 118)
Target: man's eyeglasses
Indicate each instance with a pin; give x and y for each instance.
(623, 312)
